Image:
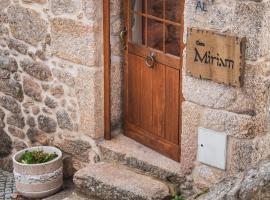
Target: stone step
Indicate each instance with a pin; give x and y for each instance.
(133, 154)
(68, 192)
(113, 181)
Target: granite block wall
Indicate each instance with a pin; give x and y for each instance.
(51, 78)
(241, 113)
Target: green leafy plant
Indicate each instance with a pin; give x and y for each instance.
(36, 157)
(178, 198)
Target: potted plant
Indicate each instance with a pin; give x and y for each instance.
(38, 171)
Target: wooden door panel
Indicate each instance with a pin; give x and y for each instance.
(153, 99)
(157, 143)
(172, 105)
(146, 96)
(134, 90)
(158, 99)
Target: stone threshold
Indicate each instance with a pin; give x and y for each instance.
(135, 155)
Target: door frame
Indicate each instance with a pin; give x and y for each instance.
(107, 65)
(107, 69)
(182, 47)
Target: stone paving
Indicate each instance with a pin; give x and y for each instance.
(7, 186)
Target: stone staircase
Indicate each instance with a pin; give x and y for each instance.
(130, 171)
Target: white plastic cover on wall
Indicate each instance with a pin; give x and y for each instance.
(212, 148)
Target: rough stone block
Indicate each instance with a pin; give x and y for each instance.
(8, 63)
(6, 164)
(64, 77)
(119, 183)
(26, 24)
(248, 22)
(92, 9)
(16, 120)
(36, 69)
(19, 145)
(205, 176)
(219, 15)
(37, 136)
(32, 89)
(57, 91)
(4, 4)
(60, 7)
(64, 120)
(217, 96)
(74, 41)
(16, 132)
(239, 155)
(2, 114)
(191, 115)
(18, 46)
(75, 146)
(5, 144)
(116, 7)
(252, 184)
(238, 125)
(47, 124)
(10, 104)
(117, 94)
(50, 103)
(261, 148)
(89, 92)
(3, 29)
(30, 121)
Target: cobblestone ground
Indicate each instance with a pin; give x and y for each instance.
(7, 185)
(7, 188)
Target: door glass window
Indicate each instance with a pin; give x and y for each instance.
(137, 29)
(156, 24)
(172, 10)
(172, 41)
(155, 34)
(155, 8)
(138, 6)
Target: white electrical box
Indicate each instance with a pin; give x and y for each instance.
(212, 148)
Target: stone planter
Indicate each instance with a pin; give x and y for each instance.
(38, 180)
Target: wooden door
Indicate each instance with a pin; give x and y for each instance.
(153, 73)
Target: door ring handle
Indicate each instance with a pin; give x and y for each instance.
(150, 60)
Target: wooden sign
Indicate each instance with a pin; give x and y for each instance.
(215, 56)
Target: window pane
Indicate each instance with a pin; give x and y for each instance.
(155, 8)
(155, 34)
(173, 10)
(138, 5)
(138, 29)
(172, 41)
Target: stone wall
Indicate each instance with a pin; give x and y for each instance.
(117, 61)
(51, 77)
(51, 82)
(241, 113)
(253, 183)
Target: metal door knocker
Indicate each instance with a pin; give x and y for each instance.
(150, 60)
